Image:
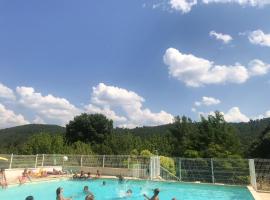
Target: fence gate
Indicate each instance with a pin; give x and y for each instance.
(154, 167)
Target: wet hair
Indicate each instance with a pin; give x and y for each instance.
(29, 198)
(156, 191)
(129, 191)
(58, 191)
(85, 187)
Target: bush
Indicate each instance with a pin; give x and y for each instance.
(168, 163)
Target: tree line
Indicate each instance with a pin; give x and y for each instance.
(212, 137)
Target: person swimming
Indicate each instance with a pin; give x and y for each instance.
(3, 179)
(155, 196)
(104, 183)
(129, 193)
(86, 190)
(29, 198)
(121, 178)
(90, 197)
(59, 194)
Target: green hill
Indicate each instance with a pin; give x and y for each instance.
(14, 137)
(18, 135)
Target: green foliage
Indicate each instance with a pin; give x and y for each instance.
(89, 128)
(146, 153)
(45, 143)
(88, 134)
(260, 147)
(79, 148)
(191, 154)
(16, 137)
(168, 163)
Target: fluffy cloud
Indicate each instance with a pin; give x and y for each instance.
(183, 6)
(222, 37)
(257, 67)
(38, 120)
(232, 115)
(50, 107)
(207, 101)
(106, 98)
(259, 3)
(258, 37)
(105, 111)
(235, 115)
(195, 71)
(8, 118)
(6, 92)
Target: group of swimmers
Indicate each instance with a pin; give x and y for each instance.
(59, 192)
(85, 176)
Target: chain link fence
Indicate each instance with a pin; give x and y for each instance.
(216, 171)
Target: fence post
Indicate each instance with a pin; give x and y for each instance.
(212, 170)
(128, 161)
(252, 173)
(36, 161)
(42, 163)
(11, 159)
(180, 169)
(103, 161)
(81, 160)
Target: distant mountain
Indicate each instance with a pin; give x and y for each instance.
(18, 135)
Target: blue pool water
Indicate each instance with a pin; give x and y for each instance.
(116, 191)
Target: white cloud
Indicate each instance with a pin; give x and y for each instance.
(6, 92)
(258, 37)
(253, 3)
(8, 118)
(105, 111)
(207, 101)
(183, 6)
(50, 107)
(257, 67)
(232, 115)
(38, 120)
(106, 98)
(196, 72)
(235, 115)
(225, 38)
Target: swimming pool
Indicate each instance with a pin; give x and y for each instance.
(115, 190)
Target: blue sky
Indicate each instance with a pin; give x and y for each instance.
(138, 62)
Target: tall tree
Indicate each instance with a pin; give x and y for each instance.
(261, 147)
(89, 128)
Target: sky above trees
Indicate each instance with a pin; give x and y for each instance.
(138, 62)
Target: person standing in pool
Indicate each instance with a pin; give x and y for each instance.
(3, 179)
(59, 194)
(87, 191)
(155, 196)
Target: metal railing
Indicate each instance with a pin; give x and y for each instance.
(42, 160)
(216, 171)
